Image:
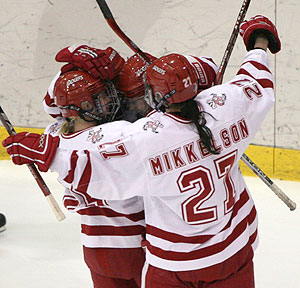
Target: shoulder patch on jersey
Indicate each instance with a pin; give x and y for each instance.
(153, 125)
(95, 136)
(216, 100)
(54, 128)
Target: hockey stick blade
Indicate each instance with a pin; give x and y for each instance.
(35, 173)
(291, 204)
(115, 27)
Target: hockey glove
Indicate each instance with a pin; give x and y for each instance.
(99, 63)
(32, 148)
(260, 25)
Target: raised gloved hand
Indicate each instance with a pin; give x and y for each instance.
(99, 63)
(260, 25)
(32, 148)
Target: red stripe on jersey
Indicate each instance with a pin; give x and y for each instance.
(176, 238)
(49, 101)
(84, 183)
(86, 175)
(257, 65)
(207, 58)
(244, 197)
(70, 177)
(94, 211)
(151, 113)
(70, 203)
(253, 237)
(112, 230)
(55, 115)
(207, 251)
(84, 180)
(178, 118)
(265, 83)
(72, 135)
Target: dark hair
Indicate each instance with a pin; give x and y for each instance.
(190, 110)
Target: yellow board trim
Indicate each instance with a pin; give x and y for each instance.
(274, 162)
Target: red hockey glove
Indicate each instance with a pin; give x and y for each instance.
(260, 24)
(97, 62)
(32, 148)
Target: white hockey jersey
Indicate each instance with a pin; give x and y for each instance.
(198, 209)
(113, 224)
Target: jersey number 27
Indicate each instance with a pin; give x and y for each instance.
(201, 177)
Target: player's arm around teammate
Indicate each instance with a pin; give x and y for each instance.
(201, 220)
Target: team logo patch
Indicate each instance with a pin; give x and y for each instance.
(95, 136)
(216, 100)
(54, 128)
(153, 125)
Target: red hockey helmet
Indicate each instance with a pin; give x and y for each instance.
(170, 79)
(130, 78)
(77, 93)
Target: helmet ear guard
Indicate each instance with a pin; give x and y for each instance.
(157, 101)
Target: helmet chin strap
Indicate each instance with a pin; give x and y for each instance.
(82, 113)
(163, 102)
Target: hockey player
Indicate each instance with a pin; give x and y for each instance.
(105, 64)
(129, 82)
(201, 222)
(111, 232)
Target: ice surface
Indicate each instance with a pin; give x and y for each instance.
(37, 251)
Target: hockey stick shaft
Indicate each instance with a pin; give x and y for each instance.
(291, 204)
(232, 41)
(115, 27)
(35, 173)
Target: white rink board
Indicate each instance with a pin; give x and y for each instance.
(33, 31)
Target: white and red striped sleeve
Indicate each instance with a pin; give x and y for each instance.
(117, 224)
(254, 86)
(256, 66)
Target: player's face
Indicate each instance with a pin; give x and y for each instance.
(105, 102)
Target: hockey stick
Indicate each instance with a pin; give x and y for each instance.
(219, 77)
(35, 173)
(114, 26)
(291, 204)
(112, 23)
(232, 41)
